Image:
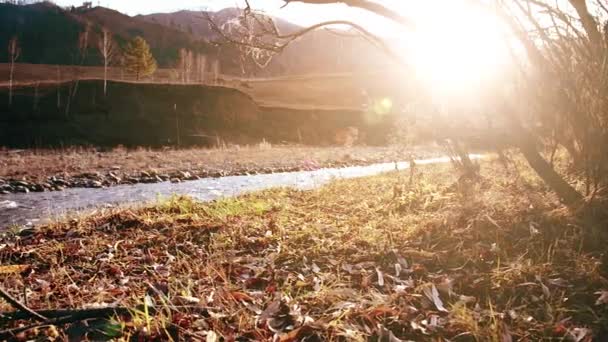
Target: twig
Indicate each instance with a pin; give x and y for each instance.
(66, 316)
(20, 306)
(76, 314)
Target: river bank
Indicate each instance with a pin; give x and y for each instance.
(57, 169)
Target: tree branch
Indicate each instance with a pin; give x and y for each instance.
(259, 40)
(369, 6)
(20, 306)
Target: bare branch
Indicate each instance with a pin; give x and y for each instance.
(369, 6)
(269, 39)
(589, 23)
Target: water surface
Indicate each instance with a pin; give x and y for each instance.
(34, 208)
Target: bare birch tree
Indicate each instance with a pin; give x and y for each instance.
(201, 62)
(83, 47)
(181, 64)
(215, 70)
(107, 49)
(14, 51)
(189, 65)
(185, 64)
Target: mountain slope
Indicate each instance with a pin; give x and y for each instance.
(49, 35)
(195, 22)
(319, 51)
(39, 43)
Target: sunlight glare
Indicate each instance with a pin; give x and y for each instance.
(457, 48)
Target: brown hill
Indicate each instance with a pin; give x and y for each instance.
(319, 52)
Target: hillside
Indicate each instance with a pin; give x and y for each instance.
(39, 44)
(319, 52)
(60, 45)
(195, 22)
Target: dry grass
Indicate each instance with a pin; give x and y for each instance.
(368, 259)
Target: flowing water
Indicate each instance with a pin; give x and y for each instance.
(35, 208)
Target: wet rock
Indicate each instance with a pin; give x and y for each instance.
(22, 189)
(145, 174)
(148, 180)
(58, 181)
(37, 188)
(95, 184)
(20, 184)
(176, 180)
(91, 175)
(185, 174)
(114, 177)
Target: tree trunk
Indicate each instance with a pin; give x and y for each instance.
(554, 180)
(10, 84)
(105, 77)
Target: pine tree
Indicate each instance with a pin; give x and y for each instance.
(139, 59)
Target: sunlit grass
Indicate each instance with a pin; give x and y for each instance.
(346, 259)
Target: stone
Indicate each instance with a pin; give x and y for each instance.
(95, 184)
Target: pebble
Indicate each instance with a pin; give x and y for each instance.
(22, 189)
(95, 184)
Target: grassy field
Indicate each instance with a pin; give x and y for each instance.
(380, 258)
(325, 91)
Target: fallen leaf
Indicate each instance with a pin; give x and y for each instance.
(241, 296)
(299, 334)
(185, 300)
(433, 295)
(603, 297)
(578, 334)
(212, 336)
(380, 277)
(387, 335)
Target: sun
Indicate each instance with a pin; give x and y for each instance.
(456, 46)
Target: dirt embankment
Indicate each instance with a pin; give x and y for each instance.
(159, 115)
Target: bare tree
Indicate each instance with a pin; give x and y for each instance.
(83, 43)
(185, 64)
(107, 49)
(215, 70)
(83, 47)
(189, 65)
(181, 64)
(201, 62)
(14, 51)
(577, 35)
